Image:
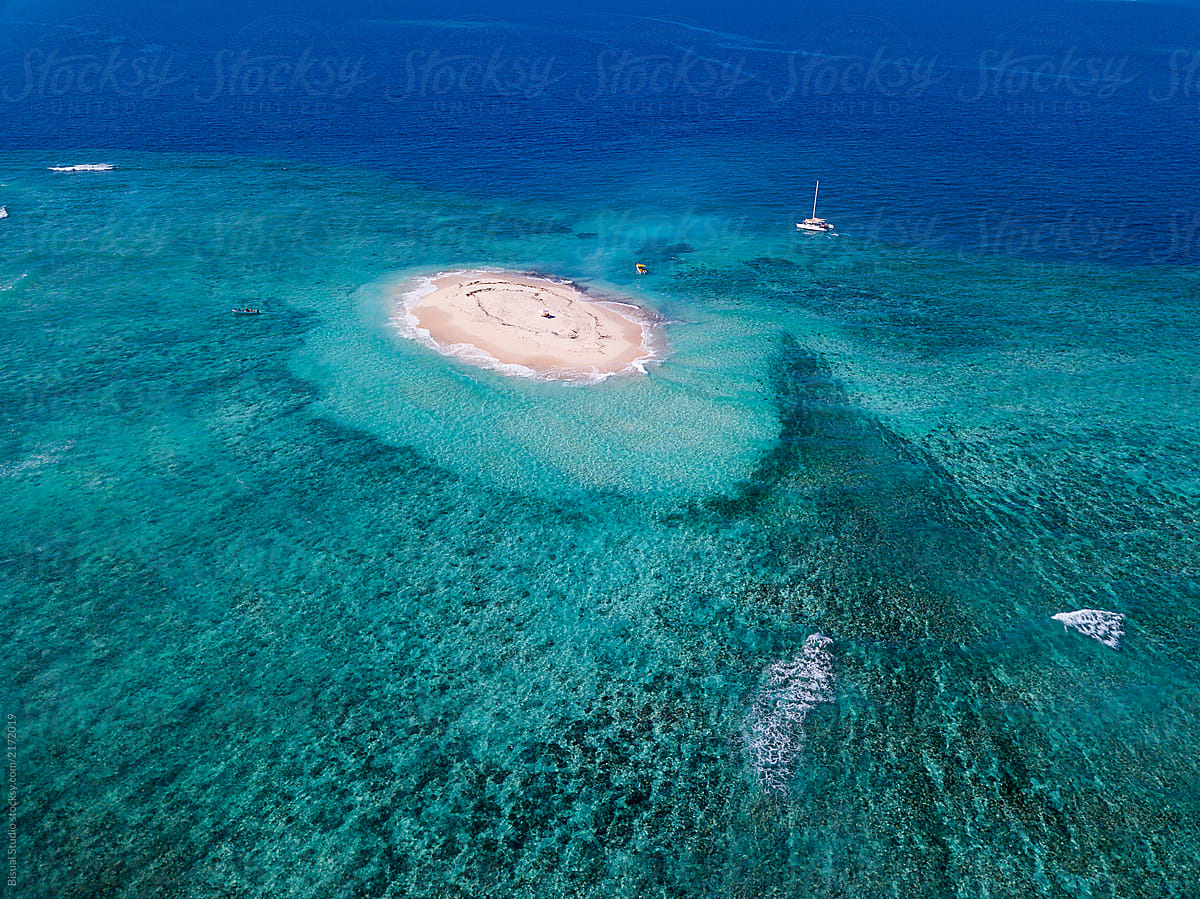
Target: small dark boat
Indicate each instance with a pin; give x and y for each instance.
(247, 310)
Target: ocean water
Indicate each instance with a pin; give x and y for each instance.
(296, 606)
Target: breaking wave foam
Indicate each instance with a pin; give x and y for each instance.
(14, 282)
(774, 729)
(1107, 627)
(87, 167)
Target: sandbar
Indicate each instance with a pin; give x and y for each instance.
(531, 325)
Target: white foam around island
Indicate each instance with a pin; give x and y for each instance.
(528, 325)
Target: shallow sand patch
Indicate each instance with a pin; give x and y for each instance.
(531, 325)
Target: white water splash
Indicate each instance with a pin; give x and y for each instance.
(14, 282)
(87, 167)
(774, 729)
(1107, 627)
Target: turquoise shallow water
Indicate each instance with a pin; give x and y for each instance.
(298, 607)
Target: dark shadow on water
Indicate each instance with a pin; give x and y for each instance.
(860, 530)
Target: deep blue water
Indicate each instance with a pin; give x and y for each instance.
(1071, 125)
(298, 607)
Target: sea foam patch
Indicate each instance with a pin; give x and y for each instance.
(1107, 627)
(44, 457)
(86, 167)
(774, 729)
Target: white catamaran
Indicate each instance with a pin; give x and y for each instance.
(813, 223)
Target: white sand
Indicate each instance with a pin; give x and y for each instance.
(501, 318)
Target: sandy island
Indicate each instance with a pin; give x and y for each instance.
(537, 325)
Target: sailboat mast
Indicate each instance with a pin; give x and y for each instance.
(815, 189)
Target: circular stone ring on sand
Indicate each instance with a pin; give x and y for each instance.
(532, 325)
